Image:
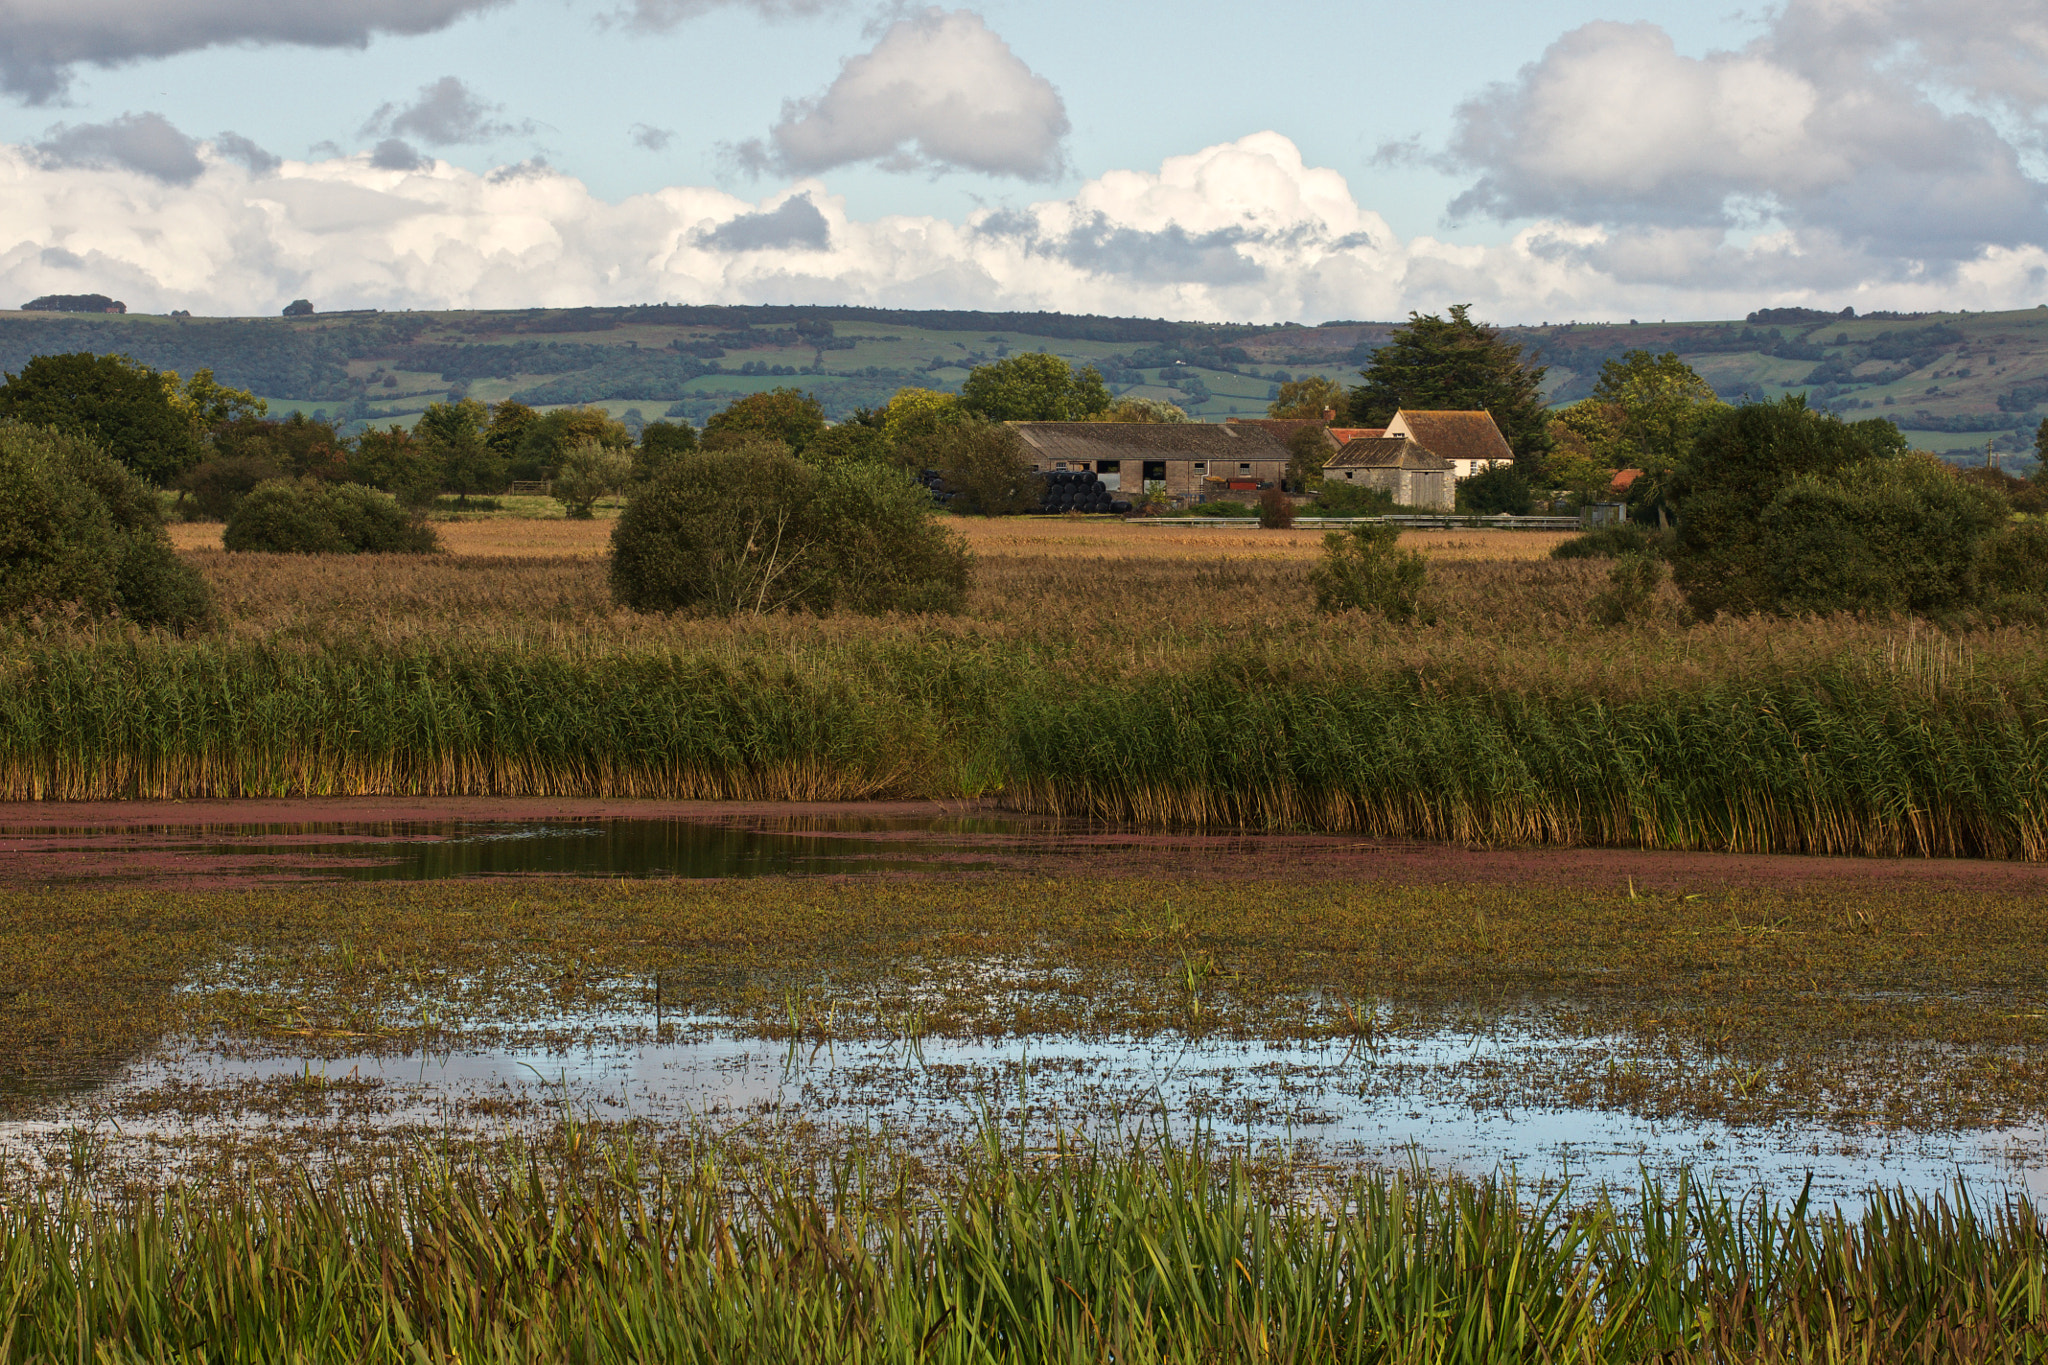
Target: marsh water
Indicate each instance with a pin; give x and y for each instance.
(1431, 1098)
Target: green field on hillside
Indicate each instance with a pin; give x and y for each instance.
(1953, 382)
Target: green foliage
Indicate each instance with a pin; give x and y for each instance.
(1308, 451)
(208, 404)
(1276, 510)
(1311, 397)
(210, 490)
(750, 529)
(1363, 570)
(985, 463)
(1034, 387)
(78, 530)
(849, 443)
(661, 442)
(1785, 510)
(589, 472)
(1132, 408)
(306, 516)
(1496, 489)
(1612, 541)
(788, 415)
(1336, 498)
(298, 445)
(506, 435)
(1456, 364)
(1631, 593)
(916, 415)
(125, 408)
(399, 463)
(455, 436)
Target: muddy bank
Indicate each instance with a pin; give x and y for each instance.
(224, 842)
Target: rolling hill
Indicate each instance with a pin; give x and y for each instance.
(1952, 381)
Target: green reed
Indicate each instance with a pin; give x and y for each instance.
(1154, 1253)
(1906, 751)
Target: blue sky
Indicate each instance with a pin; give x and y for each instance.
(1546, 159)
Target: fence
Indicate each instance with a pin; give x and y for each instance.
(1410, 522)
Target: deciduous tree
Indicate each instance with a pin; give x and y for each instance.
(1311, 397)
(123, 407)
(1034, 387)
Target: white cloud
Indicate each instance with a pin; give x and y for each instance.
(1241, 231)
(939, 90)
(445, 112)
(1887, 137)
(42, 40)
(658, 16)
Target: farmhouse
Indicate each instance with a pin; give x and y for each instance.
(1183, 459)
(1471, 441)
(1397, 465)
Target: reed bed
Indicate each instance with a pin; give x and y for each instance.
(1154, 1253)
(1202, 692)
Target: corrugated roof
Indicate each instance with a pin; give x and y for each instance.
(1456, 435)
(1385, 452)
(1150, 440)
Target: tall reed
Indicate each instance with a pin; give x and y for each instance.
(1144, 1255)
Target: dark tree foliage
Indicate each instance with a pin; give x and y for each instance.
(80, 532)
(660, 444)
(74, 303)
(1496, 489)
(297, 445)
(1785, 510)
(397, 462)
(788, 415)
(751, 529)
(1456, 364)
(123, 407)
(1035, 387)
(305, 516)
(984, 463)
(211, 489)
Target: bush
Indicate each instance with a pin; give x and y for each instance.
(211, 490)
(1338, 499)
(1223, 507)
(1276, 510)
(1631, 589)
(1611, 541)
(309, 517)
(751, 529)
(79, 530)
(589, 472)
(984, 463)
(1362, 570)
(1496, 489)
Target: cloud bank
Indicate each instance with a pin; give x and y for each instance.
(1878, 141)
(41, 41)
(1241, 231)
(939, 91)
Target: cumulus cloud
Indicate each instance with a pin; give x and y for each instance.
(797, 224)
(939, 90)
(652, 138)
(146, 144)
(445, 112)
(396, 154)
(238, 148)
(41, 41)
(1881, 136)
(1242, 230)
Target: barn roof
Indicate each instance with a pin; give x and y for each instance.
(1456, 435)
(1150, 441)
(1385, 452)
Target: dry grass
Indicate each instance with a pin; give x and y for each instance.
(1032, 538)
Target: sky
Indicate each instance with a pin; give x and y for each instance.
(1544, 161)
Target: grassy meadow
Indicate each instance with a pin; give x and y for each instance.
(1175, 676)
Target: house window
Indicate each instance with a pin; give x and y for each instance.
(1155, 471)
(1244, 469)
(1201, 466)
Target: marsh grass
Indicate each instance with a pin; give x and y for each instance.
(1150, 1252)
(1167, 691)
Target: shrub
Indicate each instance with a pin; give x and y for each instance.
(1222, 507)
(77, 529)
(1362, 570)
(1496, 489)
(1631, 589)
(984, 463)
(1611, 541)
(211, 490)
(1336, 498)
(309, 517)
(588, 472)
(751, 529)
(1276, 510)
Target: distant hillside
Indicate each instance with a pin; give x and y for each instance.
(1952, 381)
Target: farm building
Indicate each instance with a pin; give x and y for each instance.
(1187, 459)
(1471, 441)
(1414, 475)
